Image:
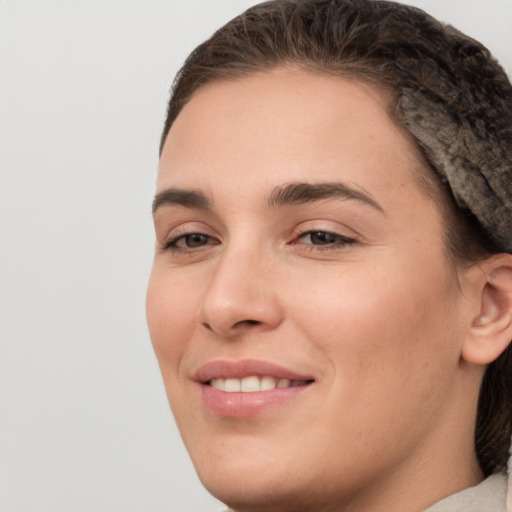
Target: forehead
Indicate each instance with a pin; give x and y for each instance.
(283, 126)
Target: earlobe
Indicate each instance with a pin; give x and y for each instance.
(491, 329)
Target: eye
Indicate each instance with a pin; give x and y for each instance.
(319, 238)
(189, 241)
(324, 238)
(192, 240)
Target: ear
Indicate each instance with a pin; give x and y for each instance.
(490, 332)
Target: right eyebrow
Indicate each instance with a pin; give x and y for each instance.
(181, 197)
(301, 193)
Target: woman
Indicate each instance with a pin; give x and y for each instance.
(331, 297)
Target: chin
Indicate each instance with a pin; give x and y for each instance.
(267, 481)
(248, 477)
(258, 493)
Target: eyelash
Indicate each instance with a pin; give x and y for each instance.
(340, 242)
(171, 244)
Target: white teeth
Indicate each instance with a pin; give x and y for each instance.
(232, 385)
(218, 383)
(283, 383)
(267, 383)
(253, 383)
(250, 384)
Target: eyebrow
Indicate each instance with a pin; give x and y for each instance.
(290, 194)
(180, 197)
(300, 193)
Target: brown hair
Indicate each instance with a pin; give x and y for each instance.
(446, 90)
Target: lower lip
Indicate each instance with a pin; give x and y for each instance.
(244, 405)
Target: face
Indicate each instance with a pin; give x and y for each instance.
(301, 306)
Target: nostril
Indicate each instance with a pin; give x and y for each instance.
(248, 322)
(241, 323)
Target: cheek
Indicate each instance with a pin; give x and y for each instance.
(169, 309)
(390, 356)
(384, 329)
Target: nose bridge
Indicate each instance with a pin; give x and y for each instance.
(241, 294)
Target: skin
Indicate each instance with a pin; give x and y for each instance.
(380, 322)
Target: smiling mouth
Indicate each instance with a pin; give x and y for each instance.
(248, 387)
(254, 383)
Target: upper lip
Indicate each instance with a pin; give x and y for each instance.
(229, 369)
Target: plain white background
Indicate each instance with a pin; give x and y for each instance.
(85, 425)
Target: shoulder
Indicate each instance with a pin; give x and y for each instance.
(489, 496)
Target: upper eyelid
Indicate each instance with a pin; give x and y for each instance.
(314, 231)
(342, 237)
(173, 239)
(344, 232)
(187, 228)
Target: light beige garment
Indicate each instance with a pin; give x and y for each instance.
(489, 496)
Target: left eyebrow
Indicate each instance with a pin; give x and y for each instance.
(300, 193)
(181, 197)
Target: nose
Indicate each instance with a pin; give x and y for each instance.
(241, 296)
